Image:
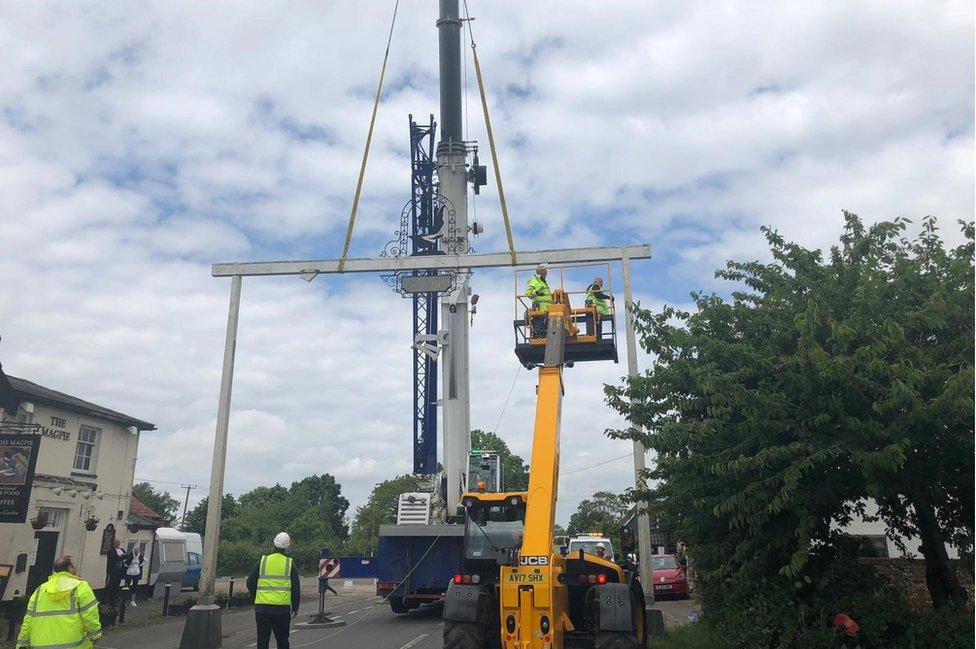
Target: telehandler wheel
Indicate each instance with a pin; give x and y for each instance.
(614, 640)
(464, 635)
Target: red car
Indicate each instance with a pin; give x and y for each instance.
(669, 576)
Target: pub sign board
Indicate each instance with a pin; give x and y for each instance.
(18, 457)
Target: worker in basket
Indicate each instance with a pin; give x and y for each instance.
(541, 295)
(595, 297)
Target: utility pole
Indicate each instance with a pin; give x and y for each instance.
(452, 176)
(186, 501)
(655, 618)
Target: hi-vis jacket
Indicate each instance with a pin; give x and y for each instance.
(61, 614)
(538, 290)
(274, 580)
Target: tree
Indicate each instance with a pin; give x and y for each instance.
(602, 512)
(514, 468)
(196, 518)
(380, 509)
(312, 511)
(159, 501)
(818, 385)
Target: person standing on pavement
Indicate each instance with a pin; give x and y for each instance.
(277, 592)
(114, 569)
(62, 612)
(133, 571)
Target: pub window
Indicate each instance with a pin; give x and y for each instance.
(85, 450)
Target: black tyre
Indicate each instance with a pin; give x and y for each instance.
(398, 606)
(614, 640)
(463, 635)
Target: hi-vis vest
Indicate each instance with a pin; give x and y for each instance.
(274, 580)
(62, 613)
(601, 305)
(539, 291)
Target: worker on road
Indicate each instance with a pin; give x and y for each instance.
(541, 295)
(62, 612)
(274, 582)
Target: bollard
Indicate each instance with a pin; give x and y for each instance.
(166, 601)
(230, 592)
(122, 604)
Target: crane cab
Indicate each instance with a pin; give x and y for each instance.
(593, 321)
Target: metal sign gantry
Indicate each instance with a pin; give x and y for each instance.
(462, 264)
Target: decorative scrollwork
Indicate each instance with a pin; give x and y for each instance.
(455, 240)
(397, 247)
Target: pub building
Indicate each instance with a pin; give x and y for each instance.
(80, 499)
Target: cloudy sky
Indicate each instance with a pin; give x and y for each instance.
(142, 141)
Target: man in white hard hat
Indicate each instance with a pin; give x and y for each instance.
(601, 550)
(277, 591)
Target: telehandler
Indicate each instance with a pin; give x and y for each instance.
(515, 590)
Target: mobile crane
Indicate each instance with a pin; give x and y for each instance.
(516, 591)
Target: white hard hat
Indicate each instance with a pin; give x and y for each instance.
(282, 541)
(601, 545)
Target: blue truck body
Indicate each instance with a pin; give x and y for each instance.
(415, 563)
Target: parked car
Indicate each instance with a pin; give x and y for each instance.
(194, 561)
(669, 577)
(194, 567)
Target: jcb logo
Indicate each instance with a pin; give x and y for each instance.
(533, 561)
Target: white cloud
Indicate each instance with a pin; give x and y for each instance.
(140, 144)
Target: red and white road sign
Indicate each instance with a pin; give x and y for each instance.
(329, 568)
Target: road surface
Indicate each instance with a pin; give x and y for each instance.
(369, 623)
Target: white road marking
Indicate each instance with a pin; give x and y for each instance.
(351, 612)
(415, 641)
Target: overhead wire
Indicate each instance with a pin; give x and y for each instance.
(518, 370)
(369, 140)
(491, 137)
(593, 466)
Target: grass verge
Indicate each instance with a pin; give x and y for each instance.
(699, 635)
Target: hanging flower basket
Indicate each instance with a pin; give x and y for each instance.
(91, 524)
(39, 522)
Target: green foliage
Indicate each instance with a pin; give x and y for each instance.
(380, 509)
(700, 635)
(602, 512)
(196, 518)
(158, 500)
(514, 468)
(819, 384)
(235, 558)
(312, 511)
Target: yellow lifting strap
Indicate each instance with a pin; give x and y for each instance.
(491, 145)
(369, 140)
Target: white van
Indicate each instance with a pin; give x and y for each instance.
(587, 543)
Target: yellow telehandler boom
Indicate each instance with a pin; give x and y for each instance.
(548, 599)
(540, 599)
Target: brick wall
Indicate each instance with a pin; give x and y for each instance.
(908, 575)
